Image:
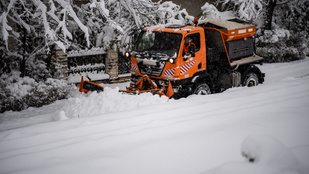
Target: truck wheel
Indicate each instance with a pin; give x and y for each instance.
(202, 89)
(251, 80)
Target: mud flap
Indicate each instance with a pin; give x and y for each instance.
(169, 92)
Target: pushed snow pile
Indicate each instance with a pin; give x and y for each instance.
(60, 115)
(266, 155)
(111, 100)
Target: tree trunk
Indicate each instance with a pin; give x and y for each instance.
(269, 14)
(50, 57)
(23, 61)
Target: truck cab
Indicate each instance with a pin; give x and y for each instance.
(222, 56)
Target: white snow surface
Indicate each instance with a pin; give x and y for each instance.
(116, 133)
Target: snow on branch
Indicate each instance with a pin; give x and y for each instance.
(128, 4)
(33, 13)
(41, 12)
(5, 28)
(71, 12)
(52, 10)
(247, 9)
(102, 22)
(282, 2)
(115, 21)
(105, 14)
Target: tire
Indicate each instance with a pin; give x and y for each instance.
(251, 80)
(202, 89)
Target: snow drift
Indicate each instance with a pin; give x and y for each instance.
(269, 124)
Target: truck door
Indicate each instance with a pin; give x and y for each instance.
(199, 49)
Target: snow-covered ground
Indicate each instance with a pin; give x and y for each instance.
(112, 133)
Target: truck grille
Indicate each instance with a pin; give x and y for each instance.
(152, 70)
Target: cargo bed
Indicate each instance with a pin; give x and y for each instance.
(252, 59)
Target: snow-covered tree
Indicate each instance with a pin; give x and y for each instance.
(282, 26)
(287, 38)
(53, 16)
(106, 21)
(28, 28)
(265, 11)
(210, 11)
(32, 27)
(246, 9)
(111, 23)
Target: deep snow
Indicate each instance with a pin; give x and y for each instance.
(114, 133)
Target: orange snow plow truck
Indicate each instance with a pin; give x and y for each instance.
(178, 60)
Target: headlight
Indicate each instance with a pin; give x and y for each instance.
(127, 54)
(171, 60)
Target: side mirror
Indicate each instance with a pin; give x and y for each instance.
(186, 56)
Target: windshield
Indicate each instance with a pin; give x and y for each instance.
(158, 42)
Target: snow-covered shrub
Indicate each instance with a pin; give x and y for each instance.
(18, 93)
(8, 60)
(280, 45)
(36, 67)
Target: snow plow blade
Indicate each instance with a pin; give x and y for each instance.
(139, 87)
(146, 82)
(86, 86)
